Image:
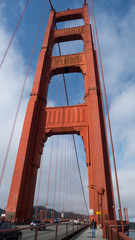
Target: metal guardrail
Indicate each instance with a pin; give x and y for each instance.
(111, 233)
(61, 231)
(68, 233)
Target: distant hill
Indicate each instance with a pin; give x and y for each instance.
(50, 212)
(132, 225)
(1, 211)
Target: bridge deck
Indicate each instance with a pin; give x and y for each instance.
(87, 234)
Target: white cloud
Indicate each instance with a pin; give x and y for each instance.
(12, 75)
(117, 46)
(116, 37)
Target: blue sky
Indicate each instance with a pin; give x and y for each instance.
(116, 31)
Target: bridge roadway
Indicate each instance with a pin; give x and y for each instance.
(50, 233)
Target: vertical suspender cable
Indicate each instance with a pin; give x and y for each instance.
(61, 158)
(56, 93)
(114, 162)
(61, 93)
(64, 176)
(2, 61)
(56, 154)
(51, 160)
(64, 78)
(67, 177)
(48, 100)
(47, 197)
(72, 167)
(80, 175)
(70, 174)
(39, 186)
(20, 99)
(55, 175)
(60, 176)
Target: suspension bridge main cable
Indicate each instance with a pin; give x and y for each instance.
(51, 5)
(20, 99)
(110, 131)
(2, 61)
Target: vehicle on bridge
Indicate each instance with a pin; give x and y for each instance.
(52, 221)
(57, 220)
(8, 234)
(38, 223)
(76, 221)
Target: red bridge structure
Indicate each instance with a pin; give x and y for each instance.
(86, 120)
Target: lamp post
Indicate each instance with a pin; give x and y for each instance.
(63, 212)
(119, 214)
(126, 214)
(51, 214)
(124, 209)
(100, 193)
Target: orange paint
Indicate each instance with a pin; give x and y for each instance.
(41, 122)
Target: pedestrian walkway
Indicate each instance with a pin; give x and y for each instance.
(87, 234)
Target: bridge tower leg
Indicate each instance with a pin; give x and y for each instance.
(86, 119)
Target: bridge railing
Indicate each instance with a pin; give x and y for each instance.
(59, 231)
(68, 230)
(111, 233)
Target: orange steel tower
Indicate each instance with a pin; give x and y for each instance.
(86, 120)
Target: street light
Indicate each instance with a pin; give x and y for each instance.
(126, 214)
(51, 214)
(62, 213)
(100, 193)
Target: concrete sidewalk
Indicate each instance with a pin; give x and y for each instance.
(87, 234)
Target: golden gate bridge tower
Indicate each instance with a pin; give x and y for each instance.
(86, 120)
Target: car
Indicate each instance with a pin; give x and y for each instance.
(52, 221)
(6, 225)
(57, 220)
(38, 222)
(76, 221)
